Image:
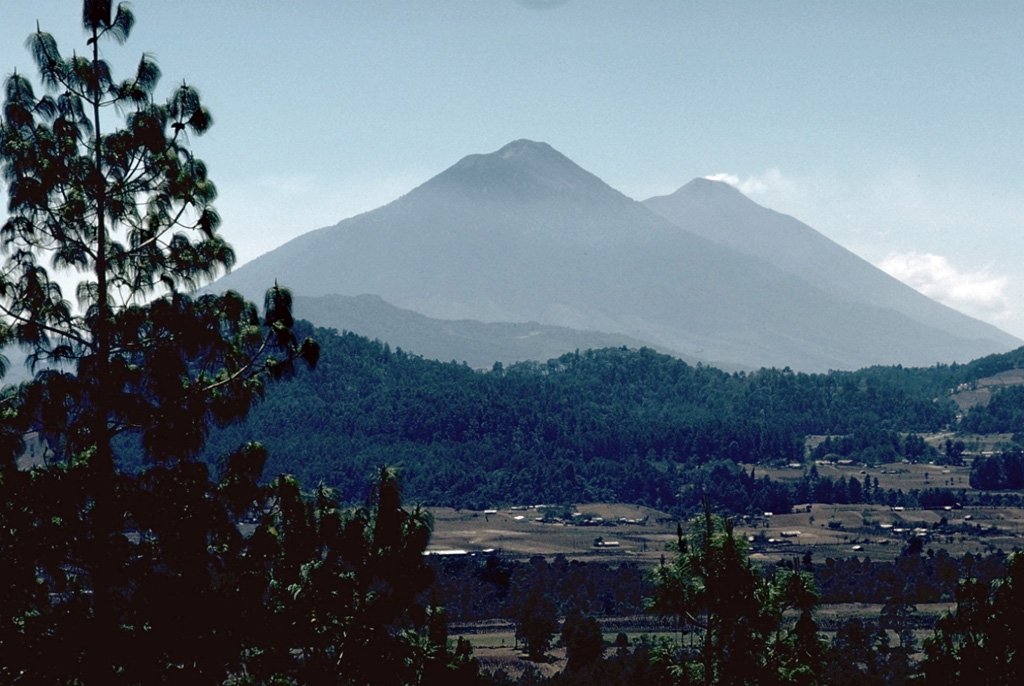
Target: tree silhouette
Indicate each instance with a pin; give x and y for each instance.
(537, 622)
(583, 641)
(102, 186)
(339, 589)
(980, 642)
(734, 612)
(123, 204)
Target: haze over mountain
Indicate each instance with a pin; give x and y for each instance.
(721, 213)
(524, 234)
(478, 344)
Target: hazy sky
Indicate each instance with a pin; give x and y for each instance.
(894, 128)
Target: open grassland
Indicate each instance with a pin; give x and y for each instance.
(899, 476)
(881, 532)
(837, 531)
(980, 392)
(519, 533)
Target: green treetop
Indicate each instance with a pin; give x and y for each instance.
(103, 186)
(734, 612)
(105, 572)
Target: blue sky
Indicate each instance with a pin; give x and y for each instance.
(894, 128)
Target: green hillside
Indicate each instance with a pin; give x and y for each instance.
(612, 424)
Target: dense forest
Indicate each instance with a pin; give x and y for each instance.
(614, 424)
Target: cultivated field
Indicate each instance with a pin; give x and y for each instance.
(518, 533)
(641, 533)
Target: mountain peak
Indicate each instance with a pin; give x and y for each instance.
(522, 169)
(524, 234)
(706, 183)
(706, 189)
(524, 147)
(709, 201)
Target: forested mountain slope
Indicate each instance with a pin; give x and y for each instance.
(612, 424)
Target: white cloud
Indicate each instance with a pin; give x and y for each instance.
(979, 294)
(904, 221)
(730, 179)
(771, 185)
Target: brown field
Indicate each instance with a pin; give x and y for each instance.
(475, 531)
(837, 531)
(981, 392)
(903, 476)
(824, 530)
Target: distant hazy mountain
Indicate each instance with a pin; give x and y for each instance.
(524, 234)
(720, 213)
(477, 344)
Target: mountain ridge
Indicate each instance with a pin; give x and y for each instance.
(802, 251)
(524, 234)
(475, 343)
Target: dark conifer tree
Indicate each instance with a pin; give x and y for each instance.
(103, 186)
(735, 612)
(982, 640)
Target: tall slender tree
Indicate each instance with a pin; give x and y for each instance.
(103, 187)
